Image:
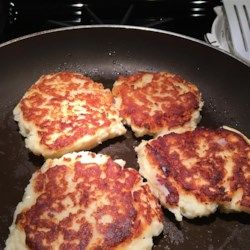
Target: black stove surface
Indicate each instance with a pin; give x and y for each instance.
(188, 17)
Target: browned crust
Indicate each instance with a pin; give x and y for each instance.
(33, 109)
(206, 179)
(173, 111)
(131, 212)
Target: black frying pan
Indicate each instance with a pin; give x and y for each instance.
(103, 53)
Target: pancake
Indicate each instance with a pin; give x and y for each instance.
(85, 201)
(154, 103)
(66, 112)
(196, 172)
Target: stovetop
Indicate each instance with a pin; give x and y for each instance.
(188, 17)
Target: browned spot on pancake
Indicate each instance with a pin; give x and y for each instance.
(104, 192)
(171, 110)
(207, 176)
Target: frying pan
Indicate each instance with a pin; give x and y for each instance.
(104, 53)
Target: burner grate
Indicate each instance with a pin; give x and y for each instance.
(189, 17)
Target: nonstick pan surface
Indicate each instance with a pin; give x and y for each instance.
(104, 53)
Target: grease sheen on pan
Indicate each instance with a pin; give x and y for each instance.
(85, 201)
(196, 172)
(66, 112)
(154, 103)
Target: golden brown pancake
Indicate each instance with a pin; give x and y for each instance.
(66, 112)
(157, 103)
(195, 172)
(85, 201)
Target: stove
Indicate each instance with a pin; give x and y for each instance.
(193, 18)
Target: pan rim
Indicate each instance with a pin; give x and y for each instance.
(4, 44)
(168, 37)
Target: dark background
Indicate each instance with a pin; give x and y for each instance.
(189, 17)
